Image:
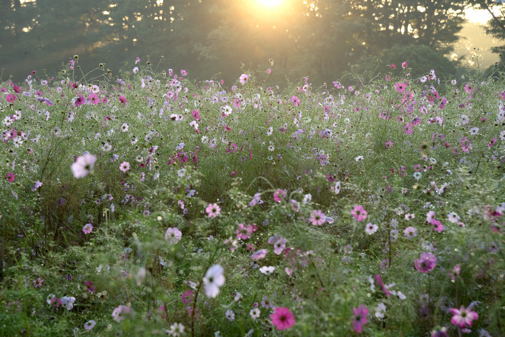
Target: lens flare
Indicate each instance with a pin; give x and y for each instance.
(270, 3)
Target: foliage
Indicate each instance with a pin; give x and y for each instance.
(345, 188)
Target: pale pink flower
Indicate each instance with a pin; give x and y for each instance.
(87, 228)
(83, 165)
(213, 210)
(124, 166)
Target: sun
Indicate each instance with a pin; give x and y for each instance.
(270, 3)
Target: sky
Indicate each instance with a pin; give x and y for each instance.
(474, 41)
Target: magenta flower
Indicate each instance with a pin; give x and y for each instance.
(426, 262)
(213, 210)
(10, 176)
(79, 100)
(123, 99)
(463, 317)
(359, 213)
(295, 100)
(279, 195)
(11, 98)
(360, 318)
(282, 318)
(196, 114)
(380, 283)
(187, 297)
(317, 218)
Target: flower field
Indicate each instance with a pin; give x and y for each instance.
(154, 205)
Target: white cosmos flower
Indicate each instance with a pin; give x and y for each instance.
(267, 270)
(213, 279)
(337, 187)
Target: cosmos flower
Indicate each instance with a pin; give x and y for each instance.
(279, 195)
(124, 166)
(89, 325)
(119, 313)
(213, 280)
(259, 255)
(359, 213)
(267, 270)
(360, 318)
(255, 313)
(83, 165)
(371, 228)
(317, 218)
(463, 317)
(213, 210)
(173, 235)
(282, 318)
(10, 177)
(426, 262)
(87, 228)
(244, 78)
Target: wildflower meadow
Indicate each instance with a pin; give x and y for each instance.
(151, 204)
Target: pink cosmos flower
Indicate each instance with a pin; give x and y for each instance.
(426, 262)
(279, 195)
(468, 88)
(79, 100)
(360, 318)
(282, 318)
(244, 78)
(87, 228)
(10, 176)
(259, 254)
(123, 99)
(187, 297)
(359, 213)
(295, 100)
(400, 87)
(119, 313)
(213, 210)
(11, 98)
(83, 165)
(405, 64)
(124, 166)
(317, 218)
(463, 317)
(437, 225)
(196, 114)
(244, 232)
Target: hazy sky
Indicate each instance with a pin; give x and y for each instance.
(474, 42)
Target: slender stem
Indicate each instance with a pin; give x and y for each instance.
(193, 308)
(390, 254)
